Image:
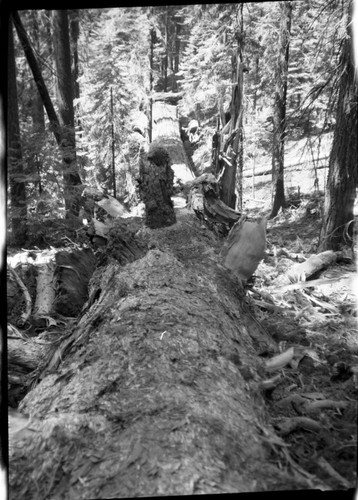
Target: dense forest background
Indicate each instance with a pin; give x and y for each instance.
(101, 67)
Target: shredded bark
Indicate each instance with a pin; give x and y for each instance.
(158, 390)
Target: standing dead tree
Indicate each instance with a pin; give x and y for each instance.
(228, 143)
(279, 116)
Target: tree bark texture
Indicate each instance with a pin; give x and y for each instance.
(152, 38)
(157, 390)
(41, 86)
(156, 187)
(64, 85)
(337, 229)
(233, 146)
(63, 135)
(166, 49)
(37, 109)
(74, 34)
(279, 115)
(15, 162)
(178, 22)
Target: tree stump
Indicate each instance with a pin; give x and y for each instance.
(156, 187)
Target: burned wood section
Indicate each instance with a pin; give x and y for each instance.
(156, 390)
(156, 187)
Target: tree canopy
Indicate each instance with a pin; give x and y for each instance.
(119, 57)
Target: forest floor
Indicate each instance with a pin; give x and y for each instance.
(312, 404)
(324, 320)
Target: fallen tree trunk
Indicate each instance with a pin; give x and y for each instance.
(166, 134)
(157, 392)
(248, 172)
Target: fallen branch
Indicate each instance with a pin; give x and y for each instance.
(327, 467)
(302, 271)
(288, 425)
(204, 201)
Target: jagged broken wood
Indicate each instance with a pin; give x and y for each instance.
(204, 200)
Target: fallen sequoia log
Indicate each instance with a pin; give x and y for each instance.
(156, 389)
(166, 134)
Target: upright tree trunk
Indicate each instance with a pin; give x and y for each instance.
(151, 69)
(165, 60)
(64, 85)
(74, 34)
(177, 46)
(279, 115)
(113, 149)
(342, 181)
(37, 107)
(71, 178)
(15, 163)
(37, 111)
(233, 145)
(36, 72)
